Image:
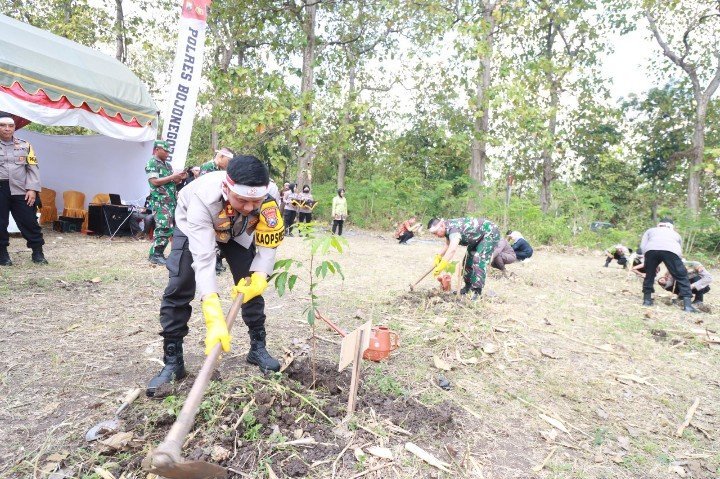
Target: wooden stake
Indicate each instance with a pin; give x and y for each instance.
(355, 379)
(688, 417)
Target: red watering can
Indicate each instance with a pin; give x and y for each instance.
(382, 340)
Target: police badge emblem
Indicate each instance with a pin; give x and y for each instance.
(270, 215)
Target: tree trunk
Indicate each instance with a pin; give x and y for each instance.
(698, 147)
(307, 153)
(224, 57)
(653, 210)
(342, 161)
(547, 151)
(120, 52)
(481, 123)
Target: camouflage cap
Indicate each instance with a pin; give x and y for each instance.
(161, 144)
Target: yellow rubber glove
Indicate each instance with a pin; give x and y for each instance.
(440, 267)
(437, 260)
(250, 288)
(215, 326)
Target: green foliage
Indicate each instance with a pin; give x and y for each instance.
(173, 405)
(385, 383)
(316, 268)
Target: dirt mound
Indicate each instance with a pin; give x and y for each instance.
(294, 423)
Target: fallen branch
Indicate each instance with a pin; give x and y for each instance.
(347, 446)
(245, 410)
(541, 466)
(563, 335)
(427, 457)
(688, 417)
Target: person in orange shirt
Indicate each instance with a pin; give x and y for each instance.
(407, 230)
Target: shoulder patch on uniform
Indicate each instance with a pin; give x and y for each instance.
(271, 216)
(31, 158)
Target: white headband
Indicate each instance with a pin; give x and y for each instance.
(436, 226)
(6, 120)
(252, 192)
(666, 225)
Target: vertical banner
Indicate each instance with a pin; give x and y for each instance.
(185, 80)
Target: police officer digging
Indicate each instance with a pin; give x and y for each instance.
(234, 211)
(19, 188)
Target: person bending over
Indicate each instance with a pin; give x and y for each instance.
(662, 244)
(234, 211)
(522, 248)
(618, 253)
(479, 235)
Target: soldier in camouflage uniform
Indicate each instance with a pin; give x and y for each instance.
(220, 162)
(163, 198)
(481, 236)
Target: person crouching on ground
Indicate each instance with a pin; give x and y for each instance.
(503, 254)
(619, 253)
(234, 211)
(407, 230)
(662, 244)
(481, 236)
(522, 248)
(699, 277)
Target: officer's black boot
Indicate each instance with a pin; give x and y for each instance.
(688, 307)
(465, 289)
(37, 255)
(219, 267)
(157, 257)
(174, 368)
(5, 257)
(647, 299)
(607, 262)
(476, 293)
(258, 355)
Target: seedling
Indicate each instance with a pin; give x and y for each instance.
(312, 273)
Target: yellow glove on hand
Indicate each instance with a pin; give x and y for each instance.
(216, 328)
(440, 267)
(251, 288)
(437, 260)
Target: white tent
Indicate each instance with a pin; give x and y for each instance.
(51, 80)
(91, 164)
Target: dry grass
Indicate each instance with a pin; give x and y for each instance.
(563, 338)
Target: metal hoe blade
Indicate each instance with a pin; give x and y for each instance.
(103, 429)
(187, 469)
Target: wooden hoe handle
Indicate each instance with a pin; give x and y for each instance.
(168, 451)
(412, 286)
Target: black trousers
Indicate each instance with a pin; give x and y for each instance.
(699, 293)
(338, 225)
(304, 217)
(621, 260)
(136, 217)
(674, 264)
(24, 218)
(403, 238)
(289, 219)
(175, 309)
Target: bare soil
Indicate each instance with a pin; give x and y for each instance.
(557, 372)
